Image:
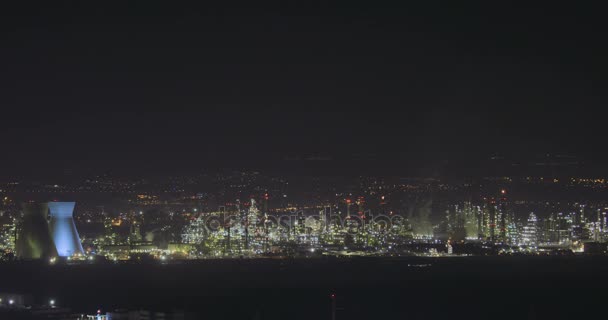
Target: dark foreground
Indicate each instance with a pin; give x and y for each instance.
(451, 288)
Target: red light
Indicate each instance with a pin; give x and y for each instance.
(333, 296)
(347, 200)
(99, 311)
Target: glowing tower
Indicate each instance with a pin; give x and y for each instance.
(63, 230)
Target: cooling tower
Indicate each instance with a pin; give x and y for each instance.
(34, 239)
(63, 229)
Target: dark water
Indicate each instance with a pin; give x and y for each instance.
(451, 288)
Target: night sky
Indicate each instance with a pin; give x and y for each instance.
(149, 87)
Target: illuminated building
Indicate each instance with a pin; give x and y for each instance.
(530, 233)
(135, 232)
(329, 219)
(480, 223)
(110, 237)
(563, 228)
(361, 206)
(266, 197)
(63, 230)
(38, 238)
(513, 235)
(492, 222)
(470, 221)
(7, 236)
(502, 219)
(251, 228)
(456, 223)
(348, 204)
(195, 232)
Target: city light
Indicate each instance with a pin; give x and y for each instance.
(257, 227)
(427, 161)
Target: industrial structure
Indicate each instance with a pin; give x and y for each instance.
(47, 230)
(63, 230)
(34, 239)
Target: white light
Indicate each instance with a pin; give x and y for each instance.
(11, 301)
(52, 302)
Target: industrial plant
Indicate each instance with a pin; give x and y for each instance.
(47, 231)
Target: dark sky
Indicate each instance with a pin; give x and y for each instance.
(83, 84)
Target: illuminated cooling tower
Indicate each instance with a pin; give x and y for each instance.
(63, 229)
(34, 239)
